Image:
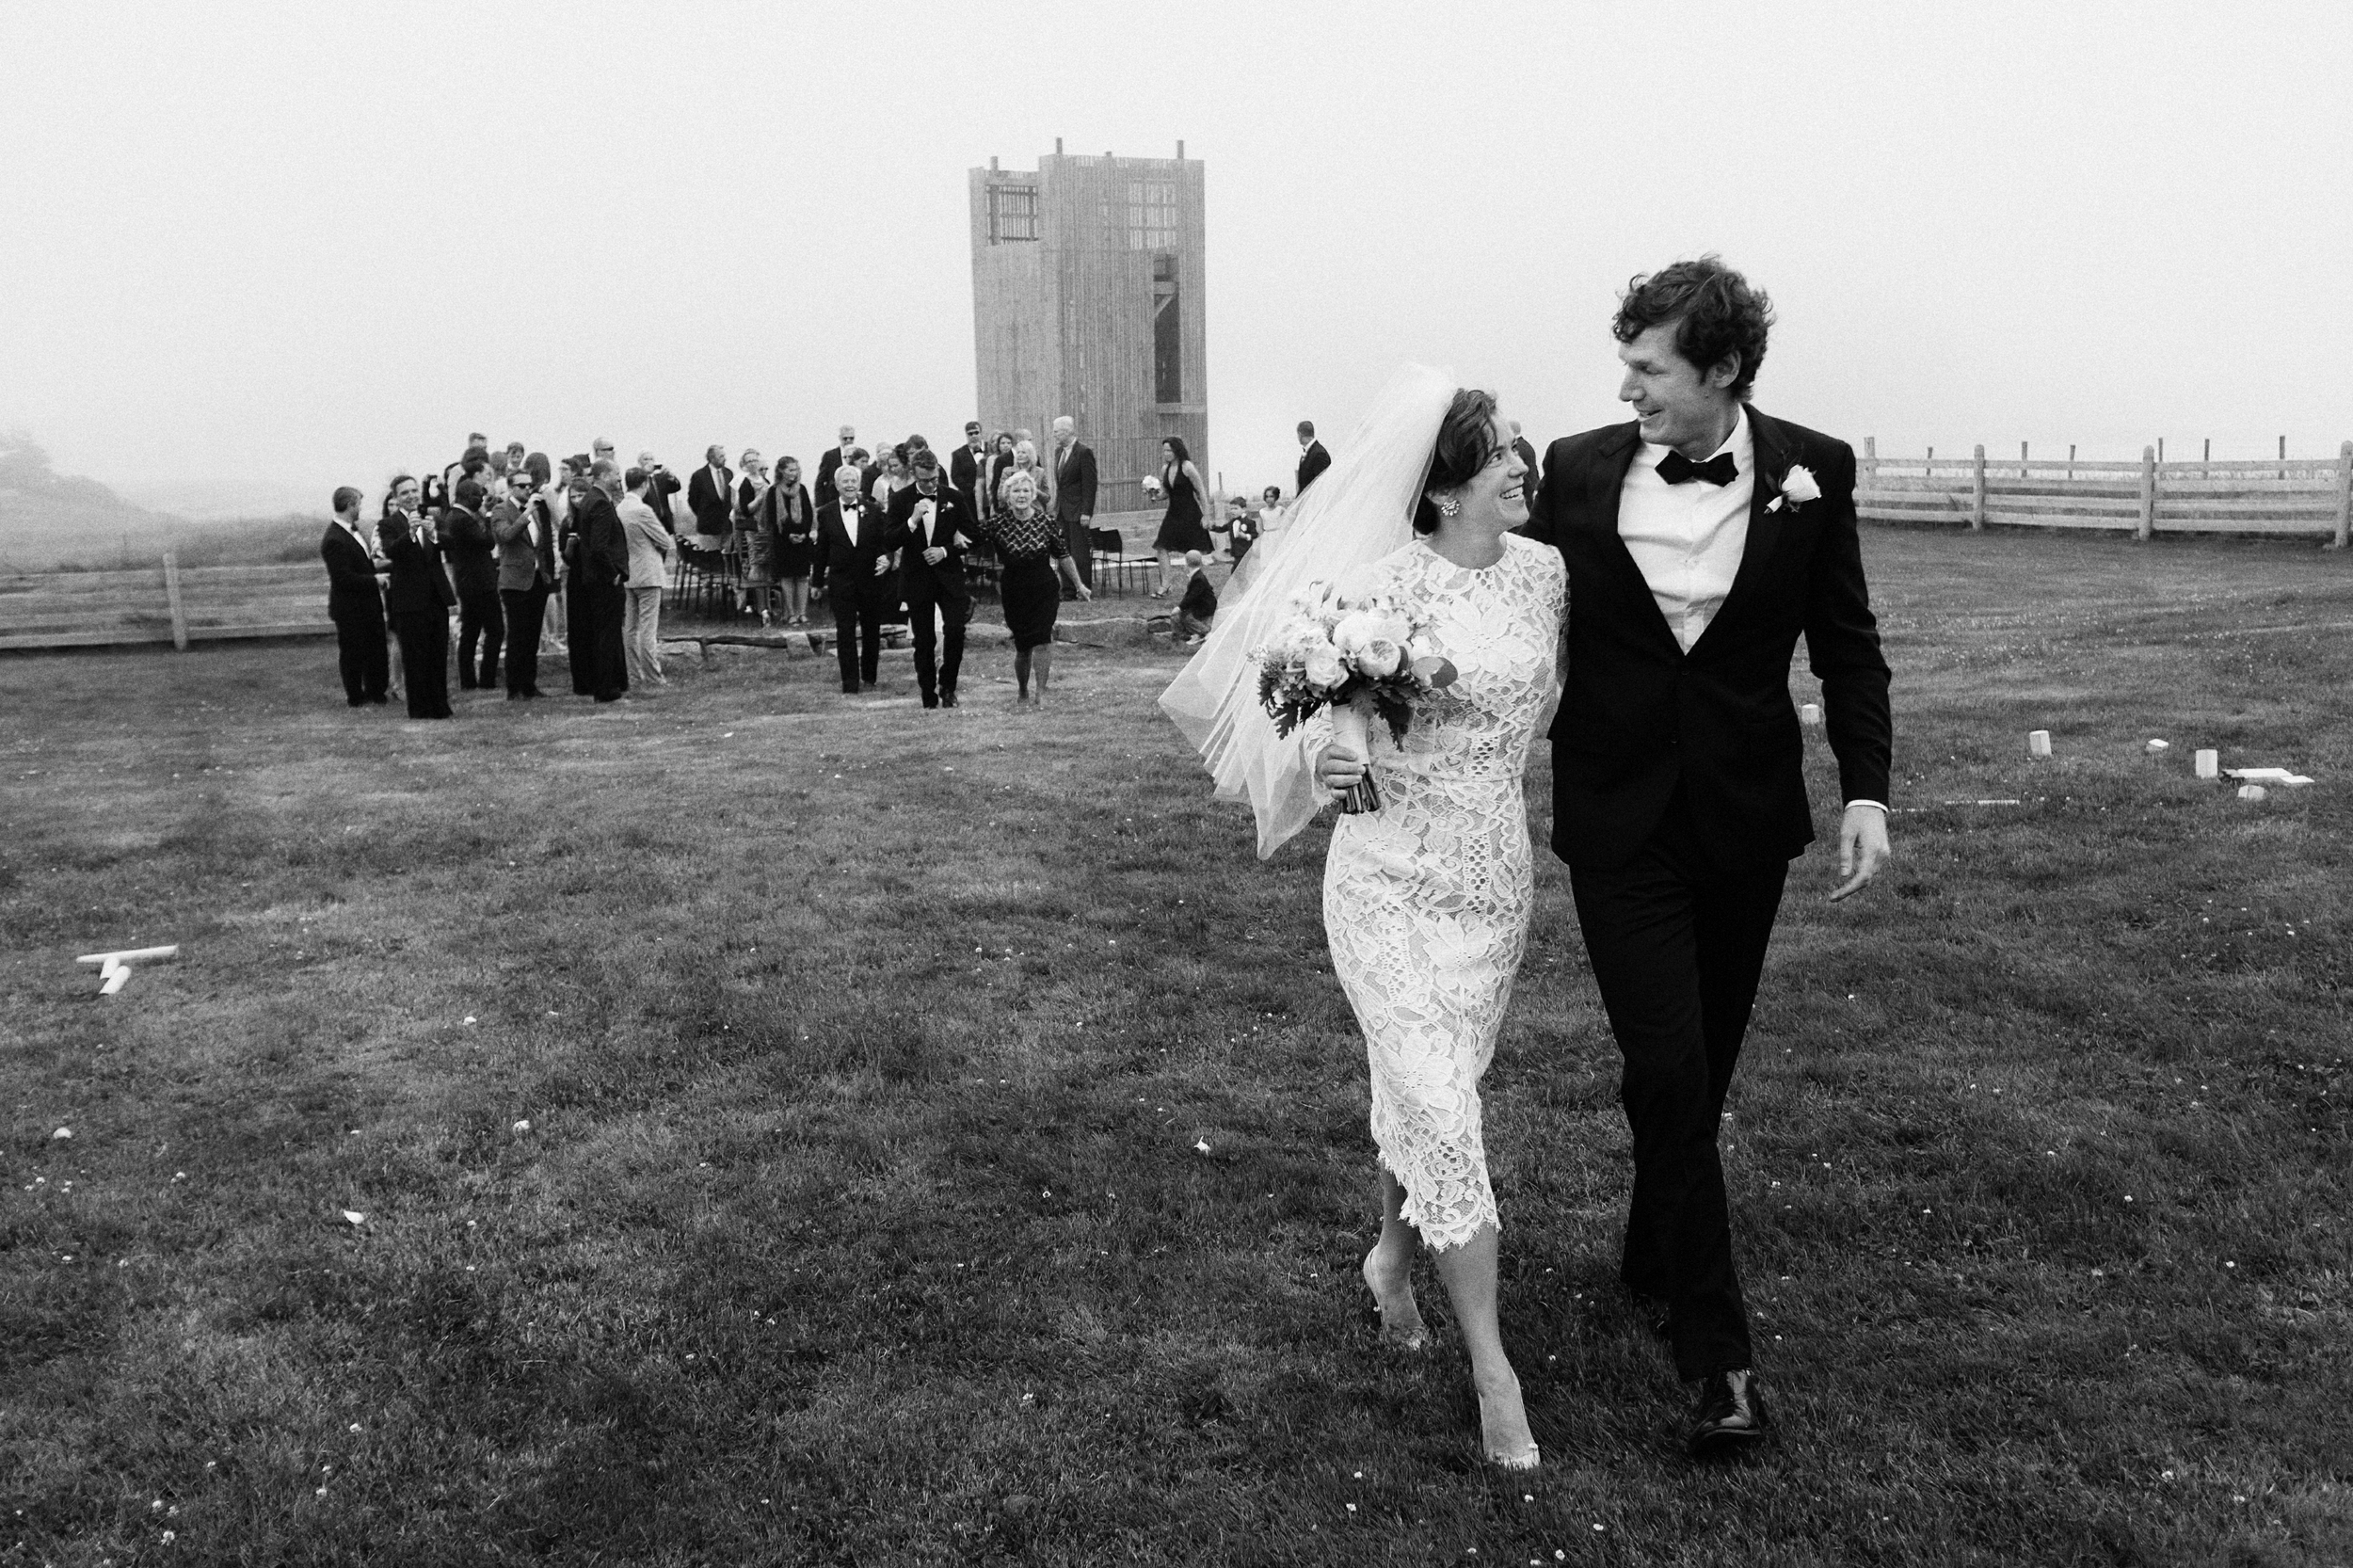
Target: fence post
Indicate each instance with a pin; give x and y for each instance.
(1977, 503)
(2344, 495)
(171, 593)
(2022, 459)
(2148, 493)
(1870, 461)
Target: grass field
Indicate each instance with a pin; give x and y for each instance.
(869, 1055)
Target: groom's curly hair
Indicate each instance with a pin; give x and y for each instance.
(1715, 311)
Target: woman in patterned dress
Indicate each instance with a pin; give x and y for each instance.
(1031, 548)
(1426, 900)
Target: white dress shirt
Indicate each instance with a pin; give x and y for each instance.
(1687, 539)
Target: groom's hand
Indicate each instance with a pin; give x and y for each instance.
(1861, 849)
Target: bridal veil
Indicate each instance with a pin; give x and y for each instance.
(1360, 509)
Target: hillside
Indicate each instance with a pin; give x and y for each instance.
(49, 521)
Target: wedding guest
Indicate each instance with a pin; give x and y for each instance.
(557, 495)
(580, 626)
(1240, 528)
(355, 602)
(794, 524)
(1199, 608)
(1528, 456)
(1000, 460)
(525, 526)
(661, 485)
(419, 597)
(471, 463)
(930, 519)
(600, 566)
(1025, 461)
(853, 547)
(515, 456)
(710, 496)
(828, 464)
(1313, 458)
(1181, 528)
(1074, 495)
(890, 479)
(752, 544)
(472, 552)
(1031, 548)
(649, 546)
(965, 468)
(600, 451)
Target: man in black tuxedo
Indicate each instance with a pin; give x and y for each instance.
(710, 496)
(418, 598)
(833, 459)
(603, 568)
(930, 518)
(355, 602)
(965, 466)
(472, 552)
(1701, 540)
(1074, 496)
(853, 545)
(1313, 459)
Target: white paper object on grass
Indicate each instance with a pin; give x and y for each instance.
(2267, 776)
(353, 1216)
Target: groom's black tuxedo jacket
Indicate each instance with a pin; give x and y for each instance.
(1639, 715)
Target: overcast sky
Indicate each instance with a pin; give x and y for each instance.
(296, 244)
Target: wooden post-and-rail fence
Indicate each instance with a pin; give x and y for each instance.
(2277, 496)
(166, 602)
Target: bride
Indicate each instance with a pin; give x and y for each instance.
(1426, 900)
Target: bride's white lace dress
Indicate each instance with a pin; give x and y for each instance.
(1426, 902)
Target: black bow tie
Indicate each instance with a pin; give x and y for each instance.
(1675, 469)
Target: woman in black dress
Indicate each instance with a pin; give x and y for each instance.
(794, 527)
(1181, 530)
(1031, 548)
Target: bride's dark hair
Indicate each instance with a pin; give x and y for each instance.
(1466, 439)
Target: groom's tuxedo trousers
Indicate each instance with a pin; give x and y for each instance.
(1679, 799)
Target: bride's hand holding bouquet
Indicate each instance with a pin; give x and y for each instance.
(1360, 656)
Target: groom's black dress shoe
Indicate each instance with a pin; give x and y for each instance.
(1731, 1416)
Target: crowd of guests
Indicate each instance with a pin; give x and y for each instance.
(571, 558)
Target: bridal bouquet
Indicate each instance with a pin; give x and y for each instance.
(1359, 656)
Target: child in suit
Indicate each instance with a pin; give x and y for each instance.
(1198, 607)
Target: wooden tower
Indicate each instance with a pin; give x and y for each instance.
(1087, 300)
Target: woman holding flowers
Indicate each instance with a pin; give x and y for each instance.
(1427, 893)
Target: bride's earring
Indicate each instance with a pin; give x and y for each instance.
(1446, 504)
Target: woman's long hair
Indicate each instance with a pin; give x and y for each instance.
(1183, 454)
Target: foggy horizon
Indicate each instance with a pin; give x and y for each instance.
(270, 249)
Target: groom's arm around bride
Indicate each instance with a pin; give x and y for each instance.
(1701, 539)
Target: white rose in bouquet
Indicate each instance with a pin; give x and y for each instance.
(1355, 629)
(1323, 668)
(1380, 658)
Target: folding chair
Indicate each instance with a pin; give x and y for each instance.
(1110, 551)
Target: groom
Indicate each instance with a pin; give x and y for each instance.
(1701, 539)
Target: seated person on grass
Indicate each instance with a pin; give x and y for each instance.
(1199, 608)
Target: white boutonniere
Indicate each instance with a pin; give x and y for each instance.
(1798, 486)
